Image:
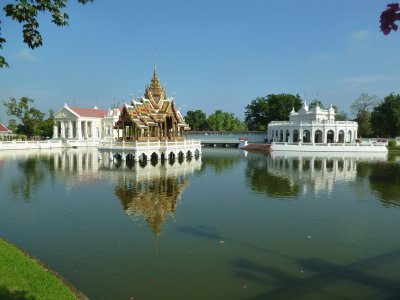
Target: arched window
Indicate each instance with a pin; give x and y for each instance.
(330, 136)
(341, 136)
(306, 136)
(295, 136)
(318, 136)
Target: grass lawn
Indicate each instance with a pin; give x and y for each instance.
(23, 278)
(395, 150)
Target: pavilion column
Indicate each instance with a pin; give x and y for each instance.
(70, 129)
(55, 131)
(85, 129)
(92, 129)
(62, 125)
(165, 128)
(78, 129)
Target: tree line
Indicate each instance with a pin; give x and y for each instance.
(219, 120)
(33, 124)
(375, 117)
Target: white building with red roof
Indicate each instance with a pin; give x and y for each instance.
(4, 131)
(75, 123)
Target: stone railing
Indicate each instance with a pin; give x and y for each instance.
(24, 145)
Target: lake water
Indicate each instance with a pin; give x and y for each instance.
(229, 225)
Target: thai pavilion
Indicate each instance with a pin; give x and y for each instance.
(150, 128)
(313, 126)
(154, 118)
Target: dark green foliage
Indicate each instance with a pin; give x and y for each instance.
(221, 120)
(392, 144)
(26, 13)
(32, 119)
(361, 109)
(313, 104)
(197, 120)
(273, 107)
(341, 116)
(364, 124)
(218, 121)
(385, 118)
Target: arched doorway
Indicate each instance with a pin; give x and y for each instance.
(306, 136)
(318, 136)
(330, 137)
(295, 136)
(341, 136)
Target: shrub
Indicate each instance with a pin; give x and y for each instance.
(392, 144)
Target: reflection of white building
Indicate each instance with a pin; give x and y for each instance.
(313, 126)
(315, 171)
(85, 124)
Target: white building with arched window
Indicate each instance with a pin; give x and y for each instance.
(313, 126)
(316, 130)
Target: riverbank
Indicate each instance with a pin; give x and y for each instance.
(24, 277)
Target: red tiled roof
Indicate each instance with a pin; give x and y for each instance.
(89, 112)
(3, 128)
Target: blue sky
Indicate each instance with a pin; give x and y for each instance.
(210, 54)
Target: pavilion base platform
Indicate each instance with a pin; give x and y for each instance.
(330, 147)
(149, 150)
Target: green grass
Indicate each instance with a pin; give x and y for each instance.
(394, 150)
(23, 278)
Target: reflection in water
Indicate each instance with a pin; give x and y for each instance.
(261, 178)
(152, 198)
(221, 159)
(287, 174)
(33, 169)
(384, 179)
(154, 190)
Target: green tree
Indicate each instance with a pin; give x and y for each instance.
(341, 116)
(12, 125)
(221, 120)
(273, 107)
(361, 109)
(363, 103)
(364, 124)
(45, 128)
(30, 117)
(385, 117)
(26, 13)
(197, 120)
(313, 104)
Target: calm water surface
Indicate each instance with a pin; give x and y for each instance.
(229, 225)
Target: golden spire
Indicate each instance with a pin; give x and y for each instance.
(155, 89)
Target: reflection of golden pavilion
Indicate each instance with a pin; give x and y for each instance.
(317, 171)
(154, 191)
(155, 199)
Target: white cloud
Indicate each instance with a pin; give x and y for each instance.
(25, 55)
(362, 80)
(359, 35)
